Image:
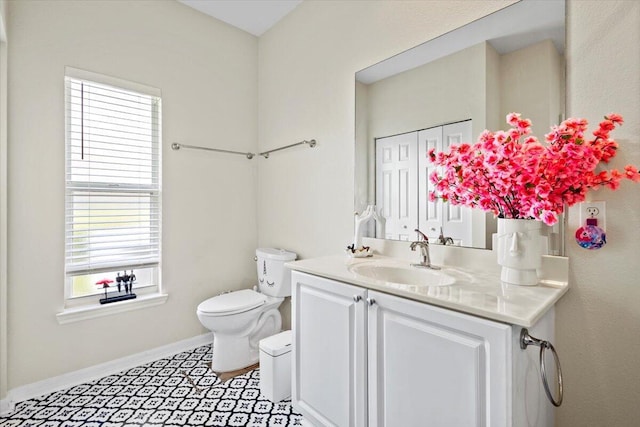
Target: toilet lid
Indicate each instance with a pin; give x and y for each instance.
(232, 302)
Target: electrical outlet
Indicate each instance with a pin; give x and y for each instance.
(595, 210)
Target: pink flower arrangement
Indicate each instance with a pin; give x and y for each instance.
(513, 175)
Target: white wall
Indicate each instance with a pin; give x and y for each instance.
(598, 321)
(306, 87)
(4, 368)
(207, 72)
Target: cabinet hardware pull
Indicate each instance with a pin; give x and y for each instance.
(357, 298)
(526, 340)
(371, 301)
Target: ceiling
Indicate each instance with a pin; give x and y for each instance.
(511, 28)
(252, 16)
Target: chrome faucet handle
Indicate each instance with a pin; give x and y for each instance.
(444, 240)
(421, 234)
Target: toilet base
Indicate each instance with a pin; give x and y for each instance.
(233, 352)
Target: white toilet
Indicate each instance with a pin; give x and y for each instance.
(240, 319)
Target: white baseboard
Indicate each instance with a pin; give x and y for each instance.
(6, 406)
(81, 376)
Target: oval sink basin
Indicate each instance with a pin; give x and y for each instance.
(404, 275)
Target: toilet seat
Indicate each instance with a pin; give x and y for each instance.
(232, 303)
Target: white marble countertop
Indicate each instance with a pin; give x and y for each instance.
(480, 293)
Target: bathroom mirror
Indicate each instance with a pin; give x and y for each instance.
(445, 91)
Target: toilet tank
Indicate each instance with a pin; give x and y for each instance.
(273, 278)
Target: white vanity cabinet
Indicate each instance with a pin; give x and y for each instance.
(329, 359)
(431, 366)
(366, 358)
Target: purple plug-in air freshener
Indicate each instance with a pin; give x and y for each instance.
(591, 236)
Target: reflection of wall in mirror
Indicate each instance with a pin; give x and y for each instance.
(532, 83)
(476, 83)
(448, 90)
(362, 172)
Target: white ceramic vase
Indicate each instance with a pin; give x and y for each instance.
(519, 247)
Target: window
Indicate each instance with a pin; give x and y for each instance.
(113, 186)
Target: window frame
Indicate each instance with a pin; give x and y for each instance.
(144, 290)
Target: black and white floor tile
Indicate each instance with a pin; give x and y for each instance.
(158, 394)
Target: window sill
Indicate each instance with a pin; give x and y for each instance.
(76, 314)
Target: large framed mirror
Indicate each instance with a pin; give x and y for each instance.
(448, 90)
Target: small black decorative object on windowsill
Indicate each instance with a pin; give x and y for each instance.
(126, 280)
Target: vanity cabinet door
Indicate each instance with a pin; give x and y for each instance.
(329, 351)
(434, 367)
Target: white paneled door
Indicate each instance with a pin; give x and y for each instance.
(429, 213)
(457, 222)
(402, 187)
(396, 184)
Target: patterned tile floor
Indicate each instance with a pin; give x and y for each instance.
(158, 394)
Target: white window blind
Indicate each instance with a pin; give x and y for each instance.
(112, 203)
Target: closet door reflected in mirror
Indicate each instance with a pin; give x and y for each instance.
(403, 186)
(397, 184)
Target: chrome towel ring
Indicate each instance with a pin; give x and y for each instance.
(526, 340)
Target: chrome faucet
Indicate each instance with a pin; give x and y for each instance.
(444, 240)
(424, 251)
